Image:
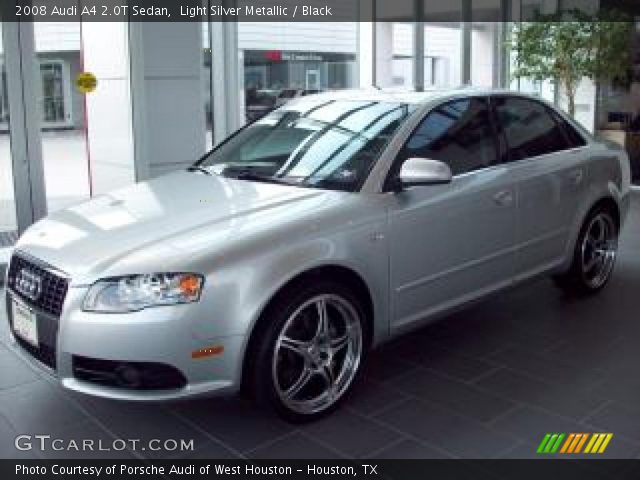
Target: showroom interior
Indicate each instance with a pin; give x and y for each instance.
(487, 383)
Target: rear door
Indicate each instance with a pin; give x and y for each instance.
(548, 165)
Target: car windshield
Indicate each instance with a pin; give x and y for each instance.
(311, 143)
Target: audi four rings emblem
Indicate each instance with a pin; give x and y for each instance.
(29, 284)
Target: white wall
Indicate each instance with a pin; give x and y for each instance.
(167, 82)
(109, 126)
(330, 37)
(57, 36)
(441, 41)
(483, 58)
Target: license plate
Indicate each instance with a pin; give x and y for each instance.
(25, 324)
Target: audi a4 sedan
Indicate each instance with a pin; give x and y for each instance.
(334, 223)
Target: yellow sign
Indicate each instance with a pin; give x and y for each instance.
(86, 82)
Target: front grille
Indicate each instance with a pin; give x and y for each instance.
(53, 287)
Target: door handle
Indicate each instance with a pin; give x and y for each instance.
(576, 176)
(503, 198)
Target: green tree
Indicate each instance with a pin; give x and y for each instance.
(566, 47)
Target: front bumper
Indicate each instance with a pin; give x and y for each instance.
(162, 335)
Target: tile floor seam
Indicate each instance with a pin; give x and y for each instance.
(381, 409)
(395, 442)
(397, 430)
(551, 348)
(531, 405)
(449, 409)
(492, 423)
(91, 417)
(68, 425)
(473, 381)
(207, 434)
(511, 448)
(270, 442)
(326, 445)
(595, 411)
(18, 386)
(529, 376)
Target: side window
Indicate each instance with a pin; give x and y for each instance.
(458, 133)
(574, 139)
(529, 128)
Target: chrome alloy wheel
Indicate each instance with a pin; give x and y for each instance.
(599, 249)
(317, 354)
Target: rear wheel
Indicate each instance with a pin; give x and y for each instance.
(594, 256)
(313, 347)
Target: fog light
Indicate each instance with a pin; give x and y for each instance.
(128, 376)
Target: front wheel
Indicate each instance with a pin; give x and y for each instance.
(595, 255)
(311, 352)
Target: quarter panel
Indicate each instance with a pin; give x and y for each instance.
(551, 189)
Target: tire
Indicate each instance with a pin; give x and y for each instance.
(302, 367)
(594, 255)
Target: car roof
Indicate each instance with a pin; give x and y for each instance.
(409, 96)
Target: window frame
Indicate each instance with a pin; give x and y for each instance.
(389, 184)
(564, 125)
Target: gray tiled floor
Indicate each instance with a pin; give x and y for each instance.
(487, 382)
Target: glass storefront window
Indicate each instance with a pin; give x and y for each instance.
(62, 114)
(403, 51)
(8, 223)
(281, 61)
(442, 48)
(485, 44)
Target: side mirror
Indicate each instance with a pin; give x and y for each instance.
(423, 171)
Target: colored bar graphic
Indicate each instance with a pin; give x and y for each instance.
(605, 443)
(555, 447)
(574, 443)
(550, 443)
(568, 442)
(543, 443)
(594, 437)
(582, 442)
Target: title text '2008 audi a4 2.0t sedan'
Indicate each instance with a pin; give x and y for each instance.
(328, 226)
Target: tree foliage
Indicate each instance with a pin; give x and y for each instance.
(566, 47)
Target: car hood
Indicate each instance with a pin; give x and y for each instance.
(151, 218)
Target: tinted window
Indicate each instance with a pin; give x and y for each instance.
(529, 128)
(311, 143)
(458, 133)
(574, 139)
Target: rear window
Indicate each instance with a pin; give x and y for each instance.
(574, 139)
(529, 128)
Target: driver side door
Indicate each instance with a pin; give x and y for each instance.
(452, 243)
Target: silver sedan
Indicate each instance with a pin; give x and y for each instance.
(329, 226)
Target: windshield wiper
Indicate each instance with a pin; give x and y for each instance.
(254, 177)
(198, 168)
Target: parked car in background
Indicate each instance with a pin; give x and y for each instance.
(311, 236)
(259, 102)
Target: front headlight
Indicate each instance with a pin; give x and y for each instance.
(136, 292)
